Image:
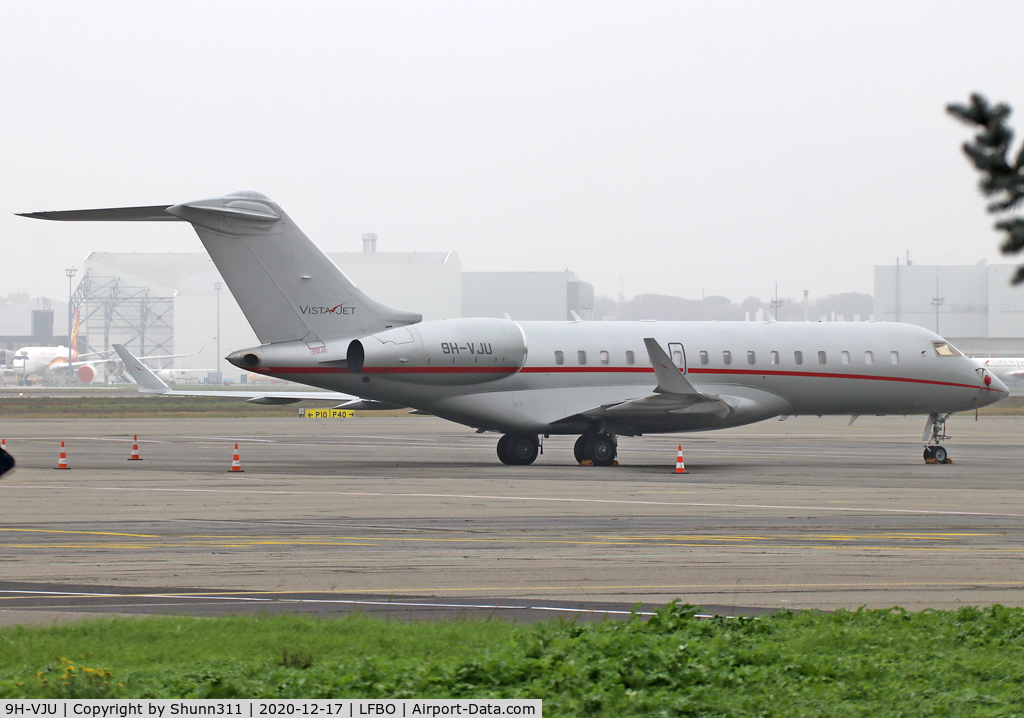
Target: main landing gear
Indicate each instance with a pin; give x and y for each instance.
(518, 449)
(935, 432)
(599, 449)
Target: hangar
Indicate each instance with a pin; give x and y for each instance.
(974, 306)
(177, 303)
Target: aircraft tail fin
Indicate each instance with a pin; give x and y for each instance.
(73, 338)
(287, 288)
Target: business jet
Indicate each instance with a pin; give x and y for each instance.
(527, 380)
(1008, 369)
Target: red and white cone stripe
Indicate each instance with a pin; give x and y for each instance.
(680, 466)
(236, 463)
(135, 450)
(62, 462)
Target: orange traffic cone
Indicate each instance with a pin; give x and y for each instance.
(3, 444)
(680, 466)
(62, 462)
(135, 450)
(236, 463)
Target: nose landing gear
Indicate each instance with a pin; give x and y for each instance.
(935, 432)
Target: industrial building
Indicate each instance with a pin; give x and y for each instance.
(975, 307)
(36, 322)
(177, 303)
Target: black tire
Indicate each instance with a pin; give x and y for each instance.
(522, 449)
(940, 454)
(580, 449)
(600, 449)
(929, 452)
(503, 449)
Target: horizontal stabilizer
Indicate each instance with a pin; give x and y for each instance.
(156, 213)
(150, 383)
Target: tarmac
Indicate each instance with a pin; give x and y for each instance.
(416, 518)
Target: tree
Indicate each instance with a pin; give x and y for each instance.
(1000, 179)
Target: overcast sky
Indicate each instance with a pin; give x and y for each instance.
(672, 146)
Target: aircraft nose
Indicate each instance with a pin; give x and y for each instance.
(996, 389)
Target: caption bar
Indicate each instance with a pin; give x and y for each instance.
(165, 708)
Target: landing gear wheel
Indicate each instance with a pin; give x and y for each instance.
(518, 449)
(939, 454)
(600, 448)
(503, 449)
(929, 452)
(580, 449)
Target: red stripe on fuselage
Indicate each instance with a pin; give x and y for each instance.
(606, 370)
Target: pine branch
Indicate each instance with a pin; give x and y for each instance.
(989, 153)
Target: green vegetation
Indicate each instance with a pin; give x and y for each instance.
(1010, 406)
(968, 662)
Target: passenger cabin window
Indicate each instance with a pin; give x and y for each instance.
(869, 358)
(677, 357)
(704, 358)
(559, 358)
(894, 357)
(798, 357)
(581, 357)
(727, 358)
(751, 358)
(822, 359)
(844, 358)
(604, 357)
(630, 358)
(775, 357)
(945, 349)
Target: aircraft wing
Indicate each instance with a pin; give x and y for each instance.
(150, 383)
(674, 395)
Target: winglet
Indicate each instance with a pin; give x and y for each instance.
(670, 379)
(148, 382)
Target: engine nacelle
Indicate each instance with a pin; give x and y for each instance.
(452, 351)
(86, 373)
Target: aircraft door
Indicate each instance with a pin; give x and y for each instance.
(675, 350)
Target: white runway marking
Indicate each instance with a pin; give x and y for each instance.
(475, 497)
(349, 602)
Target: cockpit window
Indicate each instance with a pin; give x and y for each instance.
(945, 349)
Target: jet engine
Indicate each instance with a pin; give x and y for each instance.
(454, 351)
(86, 373)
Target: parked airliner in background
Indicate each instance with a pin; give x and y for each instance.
(1008, 369)
(30, 363)
(525, 380)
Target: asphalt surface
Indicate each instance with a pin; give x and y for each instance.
(416, 518)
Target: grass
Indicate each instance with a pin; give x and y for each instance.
(1010, 406)
(968, 662)
(168, 407)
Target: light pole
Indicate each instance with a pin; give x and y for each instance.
(70, 272)
(776, 303)
(217, 286)
(937, 301)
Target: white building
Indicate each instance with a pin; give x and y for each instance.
(976, 307)
(527, 296)
(37, 322)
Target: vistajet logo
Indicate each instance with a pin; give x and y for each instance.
(340, 309)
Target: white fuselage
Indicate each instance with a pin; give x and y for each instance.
(1006, 368)
(761, 369)
(38, 361)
